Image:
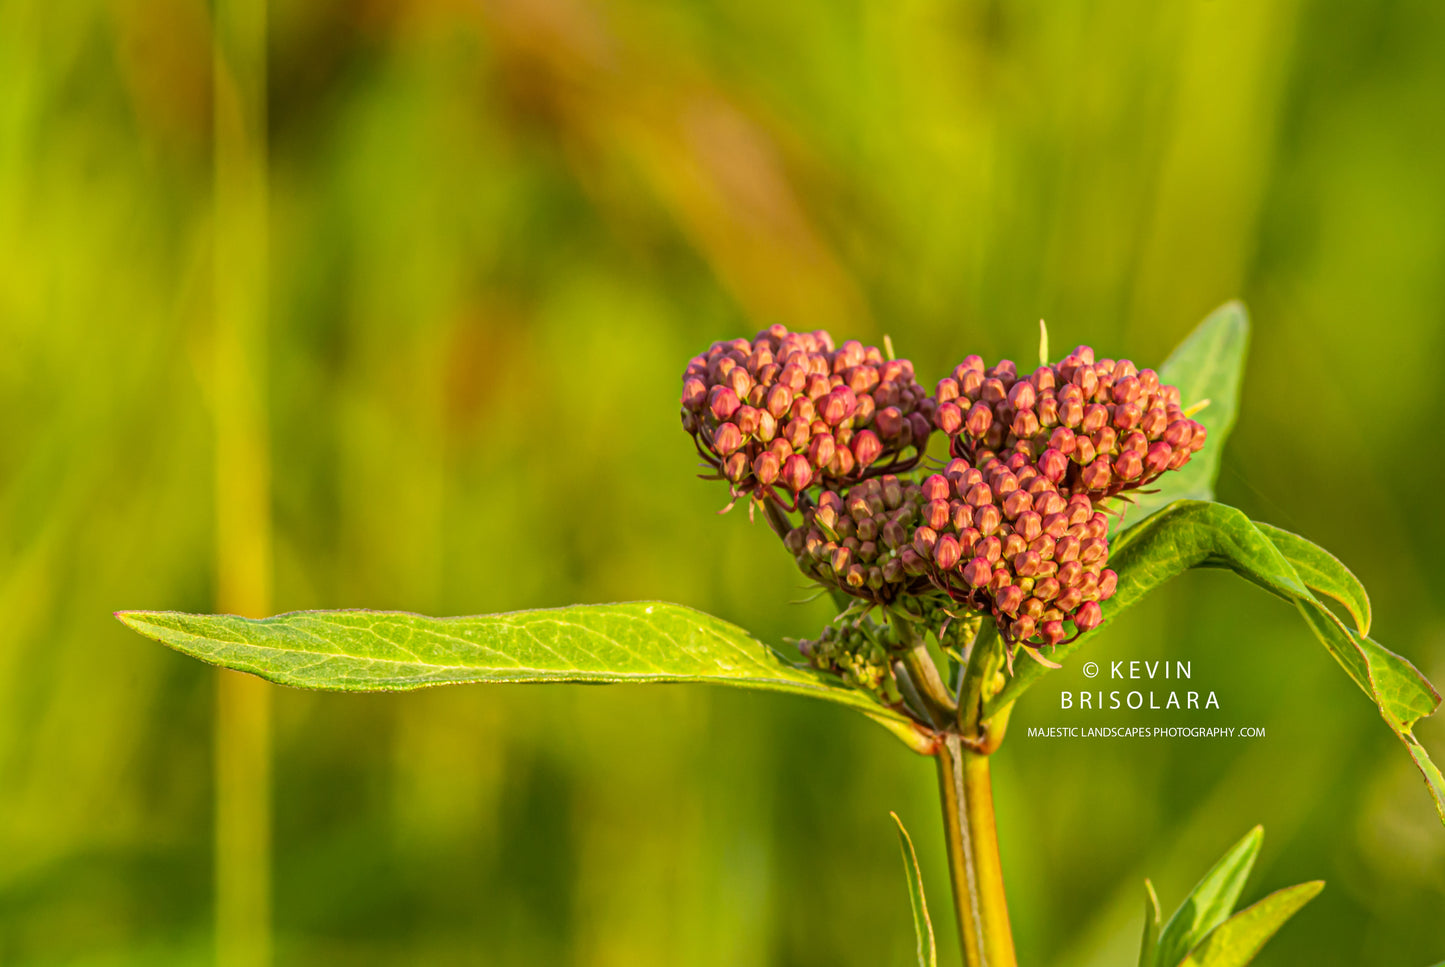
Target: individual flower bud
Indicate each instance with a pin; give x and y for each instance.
(1156, 461)
(987, 519)
(1089, 616)
(694, 394)
(921, 430)
(946, 552)
(893, 570)
(936, 515)
(935, 487)
(746, 418)
(1053, 465)
(840, 559)
(923, 540)
(820, 450)
(1022, 395)
(1129, 465)
(1093, 551)
(1016, 503)
(735, 467)
(1096, 417)
(723, 402)
(779, 401)
(1096, 476)
(1048, 411)
(892, 491)
(1052, 632)
(889, 422)
(960, 515)
(1196, 439)
(1084, 452)
(868, 529)
(977, 572)
(1028, 526)
(894, 534)
(947, 390)
(979, 420)
(1026, 565)
(856, 576)
(1009, 599)
(1069, 599)
(1179, 434)
(726, 439)
(990, 549)
(866, 448)
(913, 562)
(1108, 584)
(838, 405)
(766, 467)
(797, 473)
(796, 540)
(1025, 422)
(948, 418)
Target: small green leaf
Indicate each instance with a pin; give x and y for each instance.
(922, 924)
(369, 651)
(1433, 779)
(1323, 573)
(1149, 945)
(1235, 942)
(1208, 365)
(1211, 901)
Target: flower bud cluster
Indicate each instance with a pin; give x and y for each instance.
(787, 410)
(1000, 539)
(1092, 427)
(1003, 538)
(858, 540)
(855, 651)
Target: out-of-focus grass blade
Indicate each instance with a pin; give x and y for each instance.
(922, 924)
(1211, 901)
(1235, 942)
(1208, 365)
(1149, 945)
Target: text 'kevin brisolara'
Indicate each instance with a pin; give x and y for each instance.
(1138, 732)
(1096, 701)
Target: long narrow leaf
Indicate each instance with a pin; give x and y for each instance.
(368, 651)
(922, 923)
(1235, 942)
(1211, 901)
(1149, 945)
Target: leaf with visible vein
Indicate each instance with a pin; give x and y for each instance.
(1192, 534)
(922, 923)
(1235, 942)
(367, 651)
(1211, 901)
(1207, 365)
(1322, 573)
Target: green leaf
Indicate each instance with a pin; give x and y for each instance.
(1322, 573)
(369, 651)
(1149, 945)
(1235, 942)
(1208, 365)
(1211, 901)
(922, 924)
(1198, 534)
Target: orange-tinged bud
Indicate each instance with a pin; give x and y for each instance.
(977, 572)
(767, 467)
(1089, 616)
(797, 474)
(946, 552)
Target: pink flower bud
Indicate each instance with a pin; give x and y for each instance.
(797, 473)
(838, 405)
(727, 438)
(1052, 632)
(1108, 584)
(948, 418)
(889, 422)
(1096, 476)
(918, 423)
(1129, 465)
(1023, 628)
(1016, 503)
(1009, 599)
(866, 448)
(840, 560)
(1089, 616)
(970, 364)
(723, 402)
(747, 419)
(766, 468)
(820, 450)
(1022, 395)
(1047, 589)
(977, 572)
(993, 391)
(990, 549)
(694, 394)
(1096, 417)
(947, 390)
(923, 540)
(913, 562)
(1093, 551)
(946, 552)
(935, 487)
(894, 535)
(1157, 459)
(987, 519)
(936, 515)
(779, 401)
(1179, 433)
(735, 467)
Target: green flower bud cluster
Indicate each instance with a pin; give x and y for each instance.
(856, 651)
(787, 411)
(1093, 427)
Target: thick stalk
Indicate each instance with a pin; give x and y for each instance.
(968, 818)
(973, 859)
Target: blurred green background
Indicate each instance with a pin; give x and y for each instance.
(497, 231)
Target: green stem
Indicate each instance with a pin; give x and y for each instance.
(968, 817)
(973, 858)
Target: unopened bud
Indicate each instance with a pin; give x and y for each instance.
(1157, 459)
(766, 467)
(726, 439)
(987, 519)
(889, 422)
(921, 430)
(820, 450)
(977, 572)
(946, 552)
(1096, 476)
(1108, 584)
(1052, 632)
(1009, 599)
(979, 419)
(923, 540)
(1129, 465)
(735, 467)
(1089, 616)
(797, 473)
(866, 448)
(948, 418)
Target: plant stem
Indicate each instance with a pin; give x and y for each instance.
(968, 818)
(973, 858)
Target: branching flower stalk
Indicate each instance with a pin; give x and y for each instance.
(999, 553)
